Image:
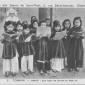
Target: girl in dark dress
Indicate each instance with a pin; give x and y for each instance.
(43, 58)
(66, 26)
(10, 58)
(20, 41)
(34, 38)
(75, 58)
(58, 50)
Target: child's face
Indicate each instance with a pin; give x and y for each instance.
(43, 24)
(67, 24)
(35, 24)
(26, 31)
(10, 27)
(57, 28)
(77, 23)
(20, 27)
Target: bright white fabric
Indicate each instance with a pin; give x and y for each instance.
(10, 65)
(27, 63)
(6, 65)
(57, 64)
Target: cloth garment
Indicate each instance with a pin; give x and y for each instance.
(10, 65)
(27, 63)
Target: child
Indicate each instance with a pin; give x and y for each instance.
(28, 53)
(20, 41)
(66, 26)
(58, 51)
(10, 58)
(34, 38)
(43, 33)
(75, 59)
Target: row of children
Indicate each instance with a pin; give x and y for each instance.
(47, 47)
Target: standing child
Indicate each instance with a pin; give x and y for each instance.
(43, 33)
(58, 50)
(28, 53)
(34, 28)
(66, 26)
(20, 41)
(75, 59)
(10, 58)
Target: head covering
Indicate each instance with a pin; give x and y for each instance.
(14, 18)
(11, 11)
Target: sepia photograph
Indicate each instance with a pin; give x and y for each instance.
(42, 43)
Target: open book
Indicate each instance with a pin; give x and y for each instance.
(59, 35)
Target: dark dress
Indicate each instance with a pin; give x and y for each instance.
(35, 43)
(66, 41)
(75, 58)
(20, 48)
(9, 46)
(28, 48)
(43, 55)
(58, 49)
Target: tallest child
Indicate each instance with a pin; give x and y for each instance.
(75, 58)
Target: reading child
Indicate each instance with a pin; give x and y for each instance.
(75, 59)
(58, 50)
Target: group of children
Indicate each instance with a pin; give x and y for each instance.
(41, 45)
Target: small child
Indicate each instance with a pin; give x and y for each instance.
(75, 59)
(28, 53)
(10, 58)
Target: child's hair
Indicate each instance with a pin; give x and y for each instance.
(32, 18)
(66, 20)
(8, 23)
(77, 18)
(25, 24)
(19, 23)
(56, 23)
(34, 22)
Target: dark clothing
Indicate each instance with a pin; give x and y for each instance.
(43, 55)
(58, 50)
(75, 58)
(9, 46)
(28, 48)
(19, 45)
(66, 42)
(43, 49)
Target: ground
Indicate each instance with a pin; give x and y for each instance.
(59, 75)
